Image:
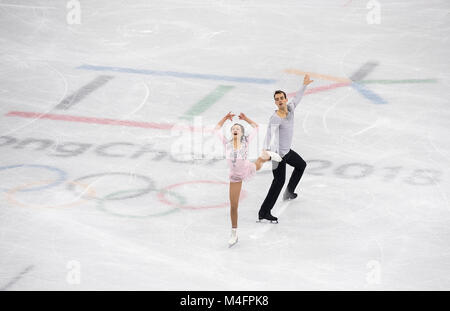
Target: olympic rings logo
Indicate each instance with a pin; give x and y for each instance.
(89, 191)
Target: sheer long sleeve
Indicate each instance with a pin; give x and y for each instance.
(271, 141)
(218, 133)
(298, 96)
(253, 133)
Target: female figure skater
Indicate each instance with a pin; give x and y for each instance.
(240, 168)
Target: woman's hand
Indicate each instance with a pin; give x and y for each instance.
(229, 116)
(242, 116)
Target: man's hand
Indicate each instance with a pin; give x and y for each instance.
(306, 80)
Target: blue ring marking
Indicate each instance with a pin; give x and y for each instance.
(178, 74)
(368, 93)
(61, 178)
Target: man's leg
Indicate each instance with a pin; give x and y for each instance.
(279, 176)
(293, 159)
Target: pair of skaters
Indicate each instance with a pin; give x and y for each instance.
(277, 147)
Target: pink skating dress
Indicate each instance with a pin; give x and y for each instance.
(240, 168)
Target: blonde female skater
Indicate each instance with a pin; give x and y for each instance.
(240, 168)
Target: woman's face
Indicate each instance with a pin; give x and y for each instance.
(236, 132)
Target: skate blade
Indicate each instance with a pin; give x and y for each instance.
(289, 199)
(231, 245)
(265, 221)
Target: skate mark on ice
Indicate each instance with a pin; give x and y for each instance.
(17, 278)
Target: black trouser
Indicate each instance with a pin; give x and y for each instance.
(279, 177)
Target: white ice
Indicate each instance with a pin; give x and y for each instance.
(373, 211)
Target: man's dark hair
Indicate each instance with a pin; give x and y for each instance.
(279, 92)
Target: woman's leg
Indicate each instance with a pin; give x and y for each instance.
(259, 163)
(235, 192)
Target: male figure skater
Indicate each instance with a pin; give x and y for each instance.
(279, 139)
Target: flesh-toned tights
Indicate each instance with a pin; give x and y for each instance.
(235, 192)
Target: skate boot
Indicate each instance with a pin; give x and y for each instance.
(269, 217)
(274, 156)
(234, 238)
(289, 195)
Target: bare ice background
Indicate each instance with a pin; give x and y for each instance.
(373, 211)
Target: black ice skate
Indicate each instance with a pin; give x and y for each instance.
(289, 195)
(269, 217)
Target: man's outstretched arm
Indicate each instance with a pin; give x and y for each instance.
(298, 96)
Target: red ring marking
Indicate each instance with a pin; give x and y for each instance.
(162, 198)
(69, 118)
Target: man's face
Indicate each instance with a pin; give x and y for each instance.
(280, 101)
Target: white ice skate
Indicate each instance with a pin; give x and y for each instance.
(233, 239)
(274, 156)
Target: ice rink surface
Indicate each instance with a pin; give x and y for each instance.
(98, 191)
